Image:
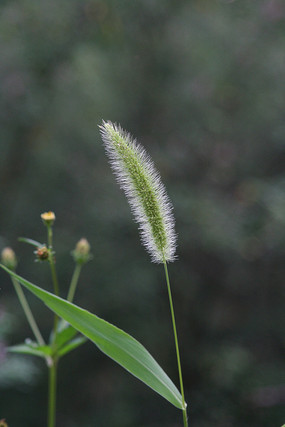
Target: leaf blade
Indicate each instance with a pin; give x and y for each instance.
(31, 349)
(115, 343)
(30, 242)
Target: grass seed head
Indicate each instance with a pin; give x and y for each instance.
(145, 192)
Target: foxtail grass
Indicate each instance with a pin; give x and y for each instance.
(151, 207)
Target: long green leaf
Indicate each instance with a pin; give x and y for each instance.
(112, 341)
(31, 348)
(30, 242)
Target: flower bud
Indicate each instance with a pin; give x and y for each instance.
(9, 259)
(42, 253)
(48, 218)
(83, 247)
(81, 253)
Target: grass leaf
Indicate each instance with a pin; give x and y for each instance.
(112, 341)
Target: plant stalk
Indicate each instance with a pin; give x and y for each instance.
(51, 261)
(184, 410)
(54, 361)
(74, 281)
(52, 393)
(28, 312)
(53, 274)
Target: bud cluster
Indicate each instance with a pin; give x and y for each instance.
(42, 253)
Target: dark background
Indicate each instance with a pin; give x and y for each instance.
(201, 85)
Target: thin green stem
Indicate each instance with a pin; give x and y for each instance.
(29, 315)
(52, 394)
(54, 277)
(51, 261)
(74, 281)
(53, 274)
(185, 420)
(54, 361)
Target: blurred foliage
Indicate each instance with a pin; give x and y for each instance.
(201, 84)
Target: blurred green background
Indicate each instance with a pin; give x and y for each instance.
(201, 84)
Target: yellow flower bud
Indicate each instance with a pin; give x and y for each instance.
(81, 253)
(9, 259)
(83, 247)
(48, 218)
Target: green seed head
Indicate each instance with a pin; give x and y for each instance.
(146, 194)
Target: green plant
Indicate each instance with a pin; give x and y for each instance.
(153, 211)
(63, 338)
(151, 207)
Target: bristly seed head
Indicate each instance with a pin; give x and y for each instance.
(145, 192)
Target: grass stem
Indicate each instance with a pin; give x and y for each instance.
(185, 420)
